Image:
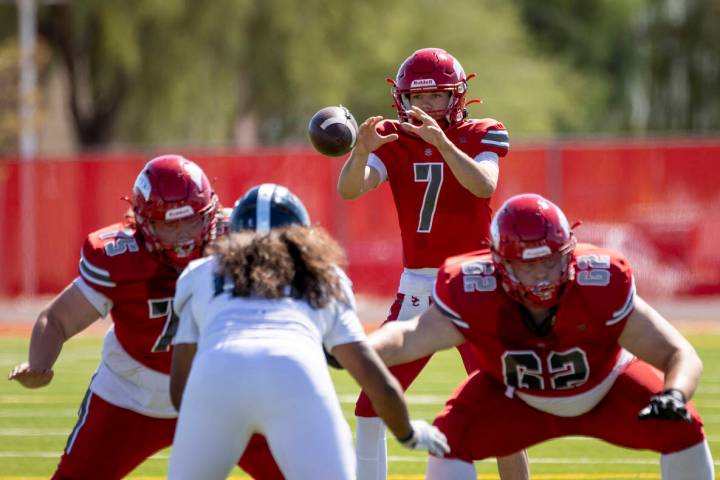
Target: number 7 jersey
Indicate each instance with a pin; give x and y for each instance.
(438, 216)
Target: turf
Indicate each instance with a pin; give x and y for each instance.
(34, 424)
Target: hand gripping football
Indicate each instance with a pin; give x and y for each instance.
(333, 131)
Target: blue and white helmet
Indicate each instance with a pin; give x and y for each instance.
(268, 206)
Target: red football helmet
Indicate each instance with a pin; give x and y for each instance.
(528, 228)
(431, 70)
(174, 208)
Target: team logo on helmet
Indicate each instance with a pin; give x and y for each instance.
(424, 82)
(142, 185)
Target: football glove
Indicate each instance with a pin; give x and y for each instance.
(668, 405)
(426, 437)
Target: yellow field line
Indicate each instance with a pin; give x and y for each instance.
(485, 476)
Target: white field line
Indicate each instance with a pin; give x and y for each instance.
(410, 459)
(63, 432)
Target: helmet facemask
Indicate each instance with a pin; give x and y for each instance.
(532, 241)
(175, 209)
(431, 70)
(543, 293)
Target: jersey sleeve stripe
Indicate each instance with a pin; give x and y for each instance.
(93, 268)
(493, 142)
(497, 136)
(447, 310)
(93, 277)
(460, 323)
(626, 308)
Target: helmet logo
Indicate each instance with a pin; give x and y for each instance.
(178, 213)
(142, 185)
(196, 175)
(536, 252)
(423, 82)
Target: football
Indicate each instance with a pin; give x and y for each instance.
(333, 131)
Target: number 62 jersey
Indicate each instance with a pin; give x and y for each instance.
(564, 369)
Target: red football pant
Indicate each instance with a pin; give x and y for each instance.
(108, 442)
(480, 421)
(408, 372)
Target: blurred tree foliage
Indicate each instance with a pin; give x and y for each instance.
(173, 72)
(659, 59)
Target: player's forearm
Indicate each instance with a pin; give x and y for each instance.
(390, 406)
(45, 343)
(390, 343)
(471, 175)
(352, 176)
(683, 371)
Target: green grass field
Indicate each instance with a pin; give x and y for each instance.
(34, 424)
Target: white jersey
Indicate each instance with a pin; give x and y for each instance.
(259, 368)
(210, 315)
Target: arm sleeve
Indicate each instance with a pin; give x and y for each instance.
(345, 326)
(95, 269)
(98, 300)
(489, 157)
(375, 162)
(495, 139)
(443, 298)
(187, 331)
(621, 297)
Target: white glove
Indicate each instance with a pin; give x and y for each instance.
(426, 437)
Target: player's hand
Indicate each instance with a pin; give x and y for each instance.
(369, 139)
(427, 437)
(669, 405)
(30, 378)
(425, 127)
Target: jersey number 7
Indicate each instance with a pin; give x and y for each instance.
(163, 308)
(432, 173)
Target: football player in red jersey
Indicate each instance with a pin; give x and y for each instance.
(565, 346)
(129, 270)
(442, 168)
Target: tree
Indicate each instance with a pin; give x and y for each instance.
(170, 72)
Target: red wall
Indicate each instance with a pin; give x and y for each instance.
(656, 201)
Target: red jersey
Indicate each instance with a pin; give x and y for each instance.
(438, 216)
(115, 262)
(579, 350)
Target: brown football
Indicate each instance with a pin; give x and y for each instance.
(333, 131)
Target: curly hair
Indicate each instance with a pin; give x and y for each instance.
(294, 261)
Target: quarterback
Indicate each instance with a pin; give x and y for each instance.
(565, 346)
(442, 168)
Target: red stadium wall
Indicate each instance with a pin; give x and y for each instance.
(655, 201)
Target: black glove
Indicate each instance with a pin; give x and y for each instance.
(332, 361)
(669, 405)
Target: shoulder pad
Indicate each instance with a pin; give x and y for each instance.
(102, 250)
(605, 277)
